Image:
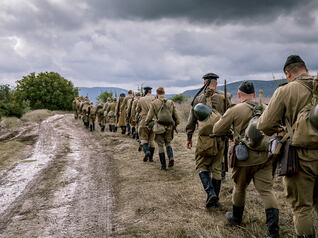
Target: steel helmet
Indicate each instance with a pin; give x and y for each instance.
(202, 111)
(313, 118)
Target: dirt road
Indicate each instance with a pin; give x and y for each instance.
(62, 189)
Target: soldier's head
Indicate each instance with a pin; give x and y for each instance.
(122, 95)
(210, 80)
(246, 91)
(100, 101)
(147, 90)
(160, 91)
(294, 66)
(108, 99)
(137, 95)
(130, 92)
(114, 99)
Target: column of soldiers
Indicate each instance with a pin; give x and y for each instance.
(151, 119)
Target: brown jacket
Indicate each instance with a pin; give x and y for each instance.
(143, 107)
(285, 104)
(237, 118)
(120, 115)
(155, 108)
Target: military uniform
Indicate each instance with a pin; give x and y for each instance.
(100, 115)
(120, 116)
(92, 117)
(301, 188)
(85, 113)
(257, 167)
(111, 115)
(74, 107)
(123, 112)
(164, 137)
(209, 152)
(146, 134)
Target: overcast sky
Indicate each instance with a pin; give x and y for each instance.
(169, 43)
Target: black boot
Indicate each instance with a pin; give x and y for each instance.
(110, 127)
(140, 146)
(91, 127)
(133, 132)
(128, 129)
(272, 219)
(152, 151)
(114, 128)
(87, 124)
(235, 217)
(208, 187)
(170, 156)
(100, 124)
(217, 187)
(147, 152)
(123, 130)
(162, 161)
(102, 129)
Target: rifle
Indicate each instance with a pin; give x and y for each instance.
(226, 142)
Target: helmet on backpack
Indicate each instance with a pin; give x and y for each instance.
(202, 111)
(313, 118)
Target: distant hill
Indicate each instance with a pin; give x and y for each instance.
(268, 87)
(93, 93)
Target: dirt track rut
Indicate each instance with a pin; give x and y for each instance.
(62, 190)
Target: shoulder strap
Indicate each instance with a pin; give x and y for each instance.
(305, 85)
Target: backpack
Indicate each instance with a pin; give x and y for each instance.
(253, 138)
(164, 115)
(302, 134)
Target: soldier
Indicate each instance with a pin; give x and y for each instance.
(74, 107)
(166, 120)
(92, 116)
(78, 105)
(100, 114)
(121, 116)
(105, 117)
(133, 115)
(111, 115)
(209, 152)
(255, 167)
(85, 113)
(284, 106)
(145, 133)
(123, 111)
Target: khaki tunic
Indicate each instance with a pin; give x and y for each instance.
(92, 114)
(167, 136)
(146, 135)
(124, 106)
(100, 113)
(120, 116)
(133, 112)
(301, 188)
(110, 112)
(209, 152)
(85, 107)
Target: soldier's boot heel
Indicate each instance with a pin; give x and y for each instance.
(208, 187)
(91, 127)
(162, 161)
(152, 151)
(272, 220)
(170, 156)
(217, 188)
(133, 132)
(147, 152)
(110, 127)
(235, 217)
(128, 129)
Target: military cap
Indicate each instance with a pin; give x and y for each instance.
(293, 59)
(210, 76)
(247, 87)
(138, 94)
(160, 90)
(130, 92)
(147, 88)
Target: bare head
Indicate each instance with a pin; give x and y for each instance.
(148, 90)
(160, 91)
(294, 67)
(213, 83)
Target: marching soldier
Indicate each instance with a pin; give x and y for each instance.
(284, 106)
(110, 113)
(145, 133)
(74, 107)
(121, 116)
(85, 113)
(209, 152)
(133, 115)
(105, 118)
(255, 165)
(92, 116)
(100, 114)
(123, 110)
(166, 120)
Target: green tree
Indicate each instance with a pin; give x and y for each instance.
(8, 103)
(104, 95)
(179, 98)
(46, 91)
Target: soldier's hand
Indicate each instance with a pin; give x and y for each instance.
(189, 144)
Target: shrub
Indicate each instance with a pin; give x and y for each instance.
(179, 98)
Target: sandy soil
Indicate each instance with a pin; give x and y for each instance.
(63, 189)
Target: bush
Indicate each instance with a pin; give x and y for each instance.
(179, 98)
(9, 106)
(104, 95)
(46, 91)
